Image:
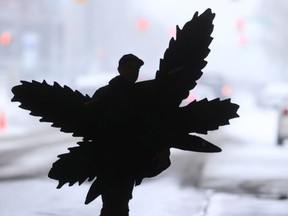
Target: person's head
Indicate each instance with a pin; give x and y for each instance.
(129, 66)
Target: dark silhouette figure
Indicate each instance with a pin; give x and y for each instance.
(128, 128)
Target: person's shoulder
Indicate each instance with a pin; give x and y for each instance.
(100, 92)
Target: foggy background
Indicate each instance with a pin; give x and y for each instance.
(79, 42)
(66, 39)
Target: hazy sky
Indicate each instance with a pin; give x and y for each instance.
(228, 56)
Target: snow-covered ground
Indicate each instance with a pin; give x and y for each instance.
(256, 125)
(251, 161)
(163, 196)
(250, 165)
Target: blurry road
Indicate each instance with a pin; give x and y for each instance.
(32, 154)
(248, 169)
(240, 167)
(246, 177)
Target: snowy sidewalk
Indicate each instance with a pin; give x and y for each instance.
(247, 180)
(242, 180)
(36, 197)
(248, 169)
(224, 204)
(164, 196)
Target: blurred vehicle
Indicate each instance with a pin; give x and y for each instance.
(219, 85)
(282, 133)
(210, 87)
(273, 95)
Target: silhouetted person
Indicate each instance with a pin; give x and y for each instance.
(137, 163)
(128, 68)
(128, 128)
(117, 194)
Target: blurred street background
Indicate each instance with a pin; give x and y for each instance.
(79, 42)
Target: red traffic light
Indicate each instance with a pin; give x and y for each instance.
(142, 24)
(5, 38)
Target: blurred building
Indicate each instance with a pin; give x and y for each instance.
(63, 39)
(31, 33)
